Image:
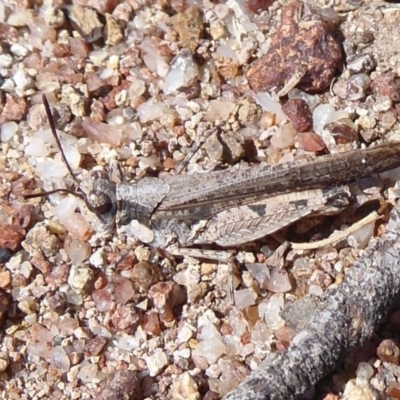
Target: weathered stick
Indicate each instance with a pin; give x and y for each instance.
(346, 318)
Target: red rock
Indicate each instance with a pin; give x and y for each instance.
(95, 346)
(393, 390)
(61, 50)
(310, 141)
(79, 47)
(11, 236)
(109, 100)
(162, 294)
(299, 113)
(39, 262)
(151, 323)
(125, 318)
(306, 48)
(58, 275)
(257, 6)
(15, 109)
(387, 85)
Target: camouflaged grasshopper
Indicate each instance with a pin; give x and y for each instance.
(184, 213)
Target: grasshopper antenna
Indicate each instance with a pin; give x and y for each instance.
(54, 133)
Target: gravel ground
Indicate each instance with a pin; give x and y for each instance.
(91, 314)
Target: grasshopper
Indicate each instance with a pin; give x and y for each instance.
(183, 213)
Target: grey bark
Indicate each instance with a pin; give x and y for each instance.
(346, 318)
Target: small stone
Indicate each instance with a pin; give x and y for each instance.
(120, 385)
(79, 278)
(244, 298)
(307, 54)
(41, 342)
(4, 363)
(60, 360)
(14, 110)
(101, 132)
(114, 32)
(211, 350)
(361, 63)
(357, 86)
(144, 274)
(190, 26)
(299, 113)
(125, 318)
(185, 388)
(389, 351)
(57, 302)
(86, 21)
(256, 6)
(271, 312)
(358, 392)
(88, 373)
(11, 237)
(95, 346)
(279, 281)
(151, 323)
(183, 72)
(343, 130)
(123, 289)
(156, 362)
(310, 141)
(103, 299)
(387, 85)
(4, 306)
(163, 297)
(249, 112)
(364, 372)
(5, 255)
(297, 314)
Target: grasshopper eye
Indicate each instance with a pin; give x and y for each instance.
(98, 202)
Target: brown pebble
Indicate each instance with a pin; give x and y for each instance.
(125, 318)
(387, 85)
(8, 33)
(41, 264)
(151, 323)
(388, 351)
(189, 24)
(15, 109)
(256, 6)
(86, 21)
(61, 50)
(109, 100)
(393, 390)
(145, 274)
(4, 304)
(162, 294)
(299, 113)
(120, 385)
(303, 46)
(11, 236)
(95, 346)
(343, 131)
(310, 141)
(5, 278)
